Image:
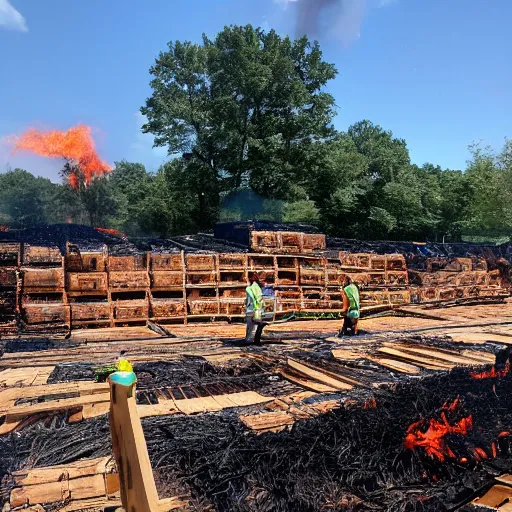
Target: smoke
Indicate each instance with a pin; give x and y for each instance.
(245, 204)
(10, 18)
(337, 19)
(75, 145)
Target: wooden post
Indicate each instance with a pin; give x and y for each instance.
(137, 484)
(138, 490)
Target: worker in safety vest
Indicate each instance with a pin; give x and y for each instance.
(351, 308)
(253, 307)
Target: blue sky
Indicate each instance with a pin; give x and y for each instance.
(436, 72)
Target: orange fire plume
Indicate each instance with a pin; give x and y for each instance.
(432, 440)
(113, 232)
(75, 145)
(493, 373)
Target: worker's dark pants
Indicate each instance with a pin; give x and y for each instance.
(253, 330)
(349, 326)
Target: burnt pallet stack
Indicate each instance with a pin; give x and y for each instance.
(9, 264)
(105, 286)
(42, 288)
(448, 279)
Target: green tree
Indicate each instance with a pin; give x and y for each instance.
(490, 192)
(337, 184)
(24, 198)
(180, 201)
(95, 198)
(130, 185)
(304, 211)
(248, 107)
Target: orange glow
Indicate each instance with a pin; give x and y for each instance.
(370, 403)
(494, 450)
(493, 373)
(113, 232)
(504, 434)
(463, 460)
(479, 454)
(451, 407)
(432, 440)
(75, 145)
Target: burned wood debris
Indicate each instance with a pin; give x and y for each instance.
(385, 423)
(66, 277)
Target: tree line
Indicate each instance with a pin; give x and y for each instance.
(247, 121)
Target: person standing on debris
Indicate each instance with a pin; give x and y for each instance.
(253, 307)
(351, 308)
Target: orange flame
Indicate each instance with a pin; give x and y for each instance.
(451, 407)
(432, 440)
(479, 453)
(113, 232)
(493, 373)
(370, 403)
(75, 145)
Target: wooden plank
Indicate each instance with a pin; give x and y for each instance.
(173, 503)
(497, 495)
(245, 398)
(77, 488)
(94, 410)
(480, 337)
(224, 401)
(163, 408)
(197, 405)
(25, 376)
(9, 424)
(436, 354)
(488, 357)
(394, 365)
(307, 383)
(318, 375)
(56, 473)
(505, 479)
(346, 355)
(99, 503)
(51, 389)
(55, 405)
(267, 420)
(416, 360)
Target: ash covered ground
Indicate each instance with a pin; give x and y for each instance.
(352, 458)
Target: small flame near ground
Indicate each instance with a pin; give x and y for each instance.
(432, 439)
(75, 145)
(493, 373)
(112, 232)
(370, 403)
(430, 436)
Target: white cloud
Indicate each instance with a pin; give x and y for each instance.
(10, 18)
(284, 2)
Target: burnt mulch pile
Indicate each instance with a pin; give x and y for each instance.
(349, 459)
(33, 344)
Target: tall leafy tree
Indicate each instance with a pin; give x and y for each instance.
(247, 107)
(23, 198)
(490, 191)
